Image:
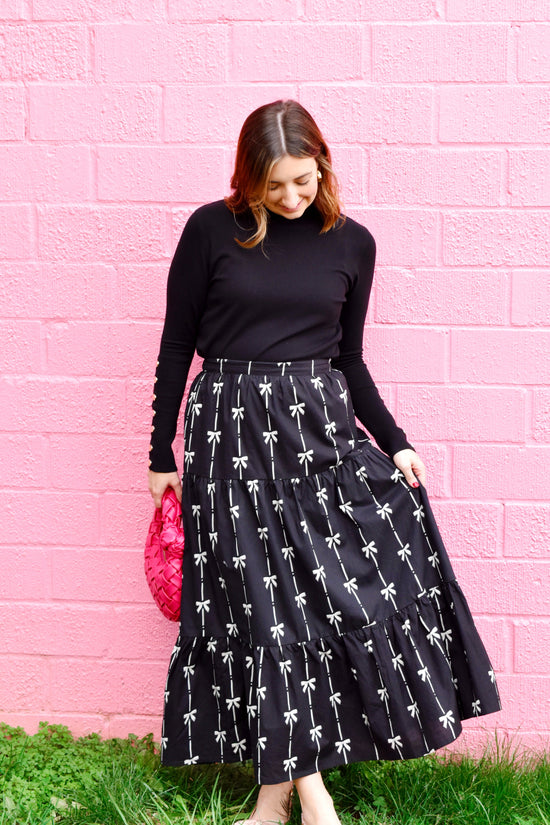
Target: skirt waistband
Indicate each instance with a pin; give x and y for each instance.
(311, 366)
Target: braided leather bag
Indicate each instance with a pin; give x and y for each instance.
(164, 555)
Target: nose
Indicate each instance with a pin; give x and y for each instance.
(290, 198)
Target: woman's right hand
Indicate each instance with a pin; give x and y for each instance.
(158, 482)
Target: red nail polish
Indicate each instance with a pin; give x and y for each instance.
(416, 484)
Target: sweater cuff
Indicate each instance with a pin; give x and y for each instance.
(161, 460)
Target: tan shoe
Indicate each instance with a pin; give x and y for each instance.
(260, 822)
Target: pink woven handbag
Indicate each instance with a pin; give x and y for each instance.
(164, 555)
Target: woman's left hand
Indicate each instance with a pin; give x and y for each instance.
(411, 465)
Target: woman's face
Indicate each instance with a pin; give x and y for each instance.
(292, 186)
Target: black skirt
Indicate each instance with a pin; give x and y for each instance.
(321, 622)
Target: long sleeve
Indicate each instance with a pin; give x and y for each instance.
(185, 300)
(367, 402)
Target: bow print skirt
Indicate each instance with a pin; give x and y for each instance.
(321, 622)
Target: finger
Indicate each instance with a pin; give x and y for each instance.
(177, 490)
(419, 470)
(410, 477)
(157, 494)
(422, 477)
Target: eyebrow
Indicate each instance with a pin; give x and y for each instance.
(298, 178)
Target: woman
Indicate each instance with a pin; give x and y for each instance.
(321, 620)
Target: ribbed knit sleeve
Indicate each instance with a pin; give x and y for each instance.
(185, 300)
(368, 405)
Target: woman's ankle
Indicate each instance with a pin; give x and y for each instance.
(315, 801)
(274, 802)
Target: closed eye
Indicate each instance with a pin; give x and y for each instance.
(299, 182)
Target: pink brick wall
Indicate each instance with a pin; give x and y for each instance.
(116, 120)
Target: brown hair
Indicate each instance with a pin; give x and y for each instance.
(268, 134)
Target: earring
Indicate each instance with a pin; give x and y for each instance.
(319, 175)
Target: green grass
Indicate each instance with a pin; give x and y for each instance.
(52, 778)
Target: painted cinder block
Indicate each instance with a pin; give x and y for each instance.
(97, 10)
(109, 112)
(372, 114)
(101, 233)
(50, 173)
(24, 683)
(97, 461)
(405, 354)
(531, 297)
(12, 112)
(295, 52)
(20, 347)
(105, 686)
(51, 517)
(436, 460)
(61, 290)
(120, 726)
(439, 296)
(505, 587)
(470, 529)
(532, 646)
(505, 10)
(142, 290)
(17, 239)
(24, 458)
(79, 290)
(126, 516)
(525, 706)
(497, 238)
(26, 571)
(22, 295)
(179, 217)
(541, 415)
(199, 113)
(474, 414)
(155, 53)
(500, 472)
(122, 348)
(63, 629)
(529, 174)
(99, 575)
(142, 633)
(43, 52)
(441, 176)
(159, 174)
(439, 53)
(368, 10)
(214, 10)
(500, 356)
(53, 404)
(497, 636)
(527, 530)
(404, 237)
(533, 52)
(13, 10)
(351, 167)
(481, 736)
(494, 114)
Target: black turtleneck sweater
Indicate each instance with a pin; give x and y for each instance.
(303, 296)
